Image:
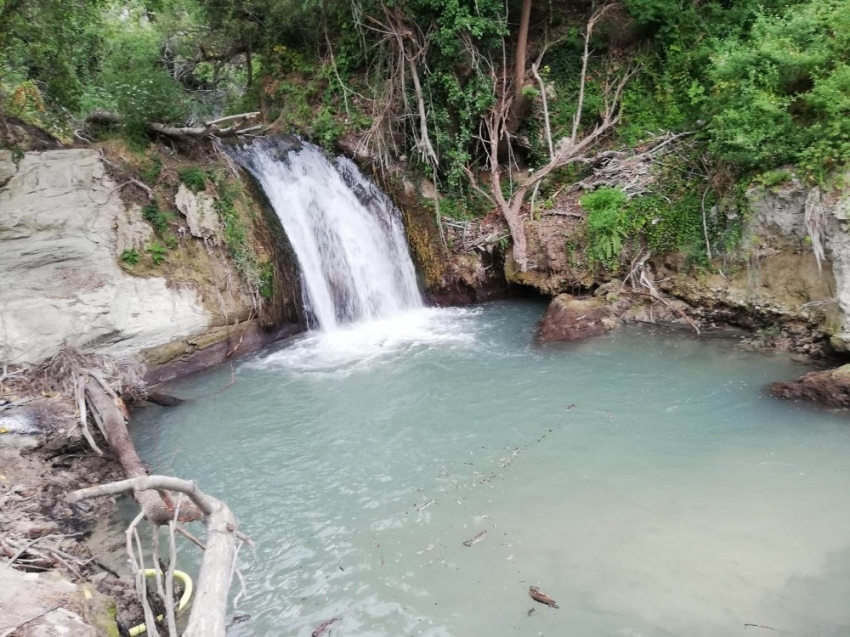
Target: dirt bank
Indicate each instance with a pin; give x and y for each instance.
(53, 553)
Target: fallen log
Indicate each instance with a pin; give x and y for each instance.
(208, 129)
(208, 616)
(110, 414)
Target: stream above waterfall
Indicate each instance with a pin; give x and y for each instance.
(643, 479)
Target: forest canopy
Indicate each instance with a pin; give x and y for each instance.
(764, 83)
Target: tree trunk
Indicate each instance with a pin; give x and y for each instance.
(521, 48)
(249, 63)
(513, 216)
(110, 418)
(521, 104)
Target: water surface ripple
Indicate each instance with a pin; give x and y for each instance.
(645, 481)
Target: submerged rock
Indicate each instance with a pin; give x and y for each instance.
(570, 319)
(830, 387)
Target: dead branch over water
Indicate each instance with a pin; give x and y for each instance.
(210, 603)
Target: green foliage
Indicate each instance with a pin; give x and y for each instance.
(194, 178)
(133, 82)
(463, 208)
(236, 234)
(266, 271)
(158, 252)
(52, 43)
(130, 257)
(156, 217)
(151, 169)
(782, 93)
(606, 224)
(773, 178)
(666, 220)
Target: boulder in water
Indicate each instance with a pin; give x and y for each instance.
(571, 319)
(830, 387)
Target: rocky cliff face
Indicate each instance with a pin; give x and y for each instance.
(772, 283)
(62, 228)
(191, 279)
(774, 279)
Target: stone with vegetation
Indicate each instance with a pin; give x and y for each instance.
(58, 243)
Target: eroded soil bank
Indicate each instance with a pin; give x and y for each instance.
(60, 559)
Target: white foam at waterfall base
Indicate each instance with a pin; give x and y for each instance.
(346, 233)
(361, 346)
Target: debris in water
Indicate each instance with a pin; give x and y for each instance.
(476, 539)
(322, 628)
(541, 597)
(427, 504)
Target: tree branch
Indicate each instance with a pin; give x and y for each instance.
(210, 605)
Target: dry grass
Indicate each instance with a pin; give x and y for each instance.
(59, 374)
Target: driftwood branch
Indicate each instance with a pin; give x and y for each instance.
(208, 617)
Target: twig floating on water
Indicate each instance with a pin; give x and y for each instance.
(776, 630)
(538, 596)
(322, 628)
(427, 504)
(475, 540)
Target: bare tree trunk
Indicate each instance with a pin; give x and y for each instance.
(209, 129)
(500, 124)
(521, 49)
(250, 66)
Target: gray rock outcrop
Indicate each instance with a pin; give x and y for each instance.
(63, 227)
(200, 213)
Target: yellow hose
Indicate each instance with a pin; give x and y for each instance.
(184, 599)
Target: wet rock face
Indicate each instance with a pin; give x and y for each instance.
(830, 388)
(62, 230)
(571, 319)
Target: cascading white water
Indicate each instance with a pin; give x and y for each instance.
(346, 233)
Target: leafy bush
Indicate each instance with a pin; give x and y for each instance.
(154, 216)
(132, 80)
(606, 224)
(781, 93)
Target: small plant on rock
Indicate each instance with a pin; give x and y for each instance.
(156, 217)
(194, 179)
(158, 252)
(130, 257)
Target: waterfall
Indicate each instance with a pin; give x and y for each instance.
(346, 233)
